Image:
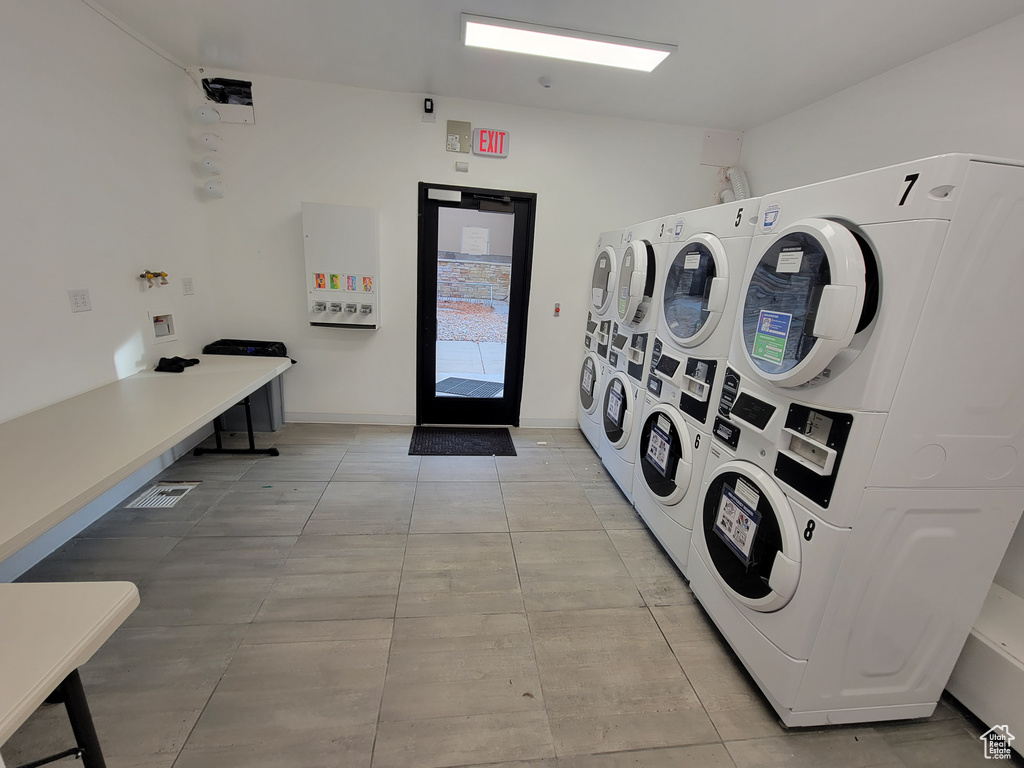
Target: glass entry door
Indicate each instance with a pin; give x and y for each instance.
(475, 248)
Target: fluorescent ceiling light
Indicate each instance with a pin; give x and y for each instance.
(518, 37)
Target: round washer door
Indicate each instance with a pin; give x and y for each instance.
(590, 383)
(636, 282)
(604, 280)
(619, 408)
(696, 289)
(666, 454)
(751, 535)
(803, 301)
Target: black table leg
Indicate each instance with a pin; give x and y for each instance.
(252, 438)
(81, 721)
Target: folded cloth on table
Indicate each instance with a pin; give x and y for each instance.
(175, 364)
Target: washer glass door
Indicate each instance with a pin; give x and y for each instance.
(666, 454)
(590, 382)
(803, 301)
(636, 282)
(618, 410)
(751, 536)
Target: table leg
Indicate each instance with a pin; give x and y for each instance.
(81, 721)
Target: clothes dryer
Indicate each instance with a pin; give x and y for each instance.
(703, 268)
(866, 471)
(603, 284)
(636, 315)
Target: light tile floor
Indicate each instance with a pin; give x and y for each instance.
(346, 604)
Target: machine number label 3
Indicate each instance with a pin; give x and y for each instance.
(658, 447)
(789, 260)
(771, 336)
(588, 380)
(737, 523)
(692, 260)
(615, 403)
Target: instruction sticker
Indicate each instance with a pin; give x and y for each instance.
(588, 379)
(658, 447)
(692, 260)
(335, 282)
(770, 217)
(736, 524)
(602, 262)
(615, 403)
(320, 279)
(790, 260)
(598, 297)
(771, 336)
(367, 285)
(350, 283)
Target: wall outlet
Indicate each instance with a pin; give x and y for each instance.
(187, 289)
(79, 298)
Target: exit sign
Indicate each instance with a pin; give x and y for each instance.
(490, 143)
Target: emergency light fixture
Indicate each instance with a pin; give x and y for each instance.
(568, 44)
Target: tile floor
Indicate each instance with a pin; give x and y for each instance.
(346, 604)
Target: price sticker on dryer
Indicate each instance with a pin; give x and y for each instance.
(771, 336)
(736, 524)
(659, 445)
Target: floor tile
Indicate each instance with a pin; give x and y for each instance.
(540, 506)
(106, 559)
(611, 684)
(457, 469)
(261, 509)
(654, 574)
(224, 467)
(151, 522)
(331, 597)
(837, 748)
(363, 508)
(565, 570)
(326, 553)
(186, 602)
(461, 665)
(613, 509)
(377, 467)
(458, 508)
(309, 463)
(225, 557)
(700, 756)
(459, 573)
(586, 465)
(463, 740)
(541, 464)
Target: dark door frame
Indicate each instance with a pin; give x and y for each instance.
(457, 410)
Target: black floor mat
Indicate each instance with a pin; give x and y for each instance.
(461, 441)
(468, 387)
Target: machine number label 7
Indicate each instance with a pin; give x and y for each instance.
(909, 181)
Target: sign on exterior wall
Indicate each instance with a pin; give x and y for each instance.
(492, 143)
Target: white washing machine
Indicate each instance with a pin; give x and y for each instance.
(593, 373)
(702, 271)
(866, 471)
(632, 330)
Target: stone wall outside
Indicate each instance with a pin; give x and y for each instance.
(452, 276)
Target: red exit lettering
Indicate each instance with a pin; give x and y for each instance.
(490, 142)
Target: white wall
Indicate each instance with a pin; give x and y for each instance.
(967, 97)
(95, 186)
(332, 144)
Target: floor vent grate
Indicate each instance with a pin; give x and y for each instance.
(161, 495)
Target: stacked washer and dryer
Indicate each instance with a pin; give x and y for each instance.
(701, 276)
(631, 340)
(866, 470)
(593, 371)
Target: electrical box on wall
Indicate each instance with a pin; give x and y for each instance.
(342, 265)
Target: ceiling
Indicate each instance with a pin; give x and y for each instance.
(740, 63)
